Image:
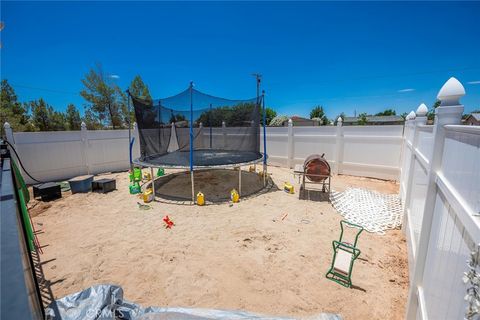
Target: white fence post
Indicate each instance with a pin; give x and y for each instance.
(173, 143)
(338, 146)
(290, 150)
(418, 118)
(409, 122)
(136, 133)
(200, 135)
(9, 133)
(84, 137)
(224, 132)
(9, 137)
(449, 112)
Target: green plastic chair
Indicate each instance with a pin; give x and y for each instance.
(344, 255)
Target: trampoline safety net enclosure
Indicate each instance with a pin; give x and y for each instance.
(194, 130)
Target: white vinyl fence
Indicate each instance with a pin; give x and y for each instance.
(58, 155)
(440, 188)
(368, 151)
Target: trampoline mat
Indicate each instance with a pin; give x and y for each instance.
(202, 158)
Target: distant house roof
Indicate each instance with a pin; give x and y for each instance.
(375, 119)
(384, 118)
(350, 119)
(476, 115)
(473, 119)
(301, 121)
(297, 118)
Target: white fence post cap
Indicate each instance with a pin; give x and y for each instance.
(451, 92)
(422, 110)
(83, 125)
(339, 119)
(6, 125)
(290, 122)
(411, 115)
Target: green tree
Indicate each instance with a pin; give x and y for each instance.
(44, 118)
(107, 101)
(431, 112)
(270, 113)
(91, 120)
(234, 116)
(58, 120)
(387, 112)
(12, 111)
(139, 89)
(74, 122)
(40, 116)
(404, 115)
(318, 113)
(362, 119)
(177, 117)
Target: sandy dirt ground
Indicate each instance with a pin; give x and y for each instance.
(240, 256)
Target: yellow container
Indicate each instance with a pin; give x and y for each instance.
(148, 195)
(147, 176)
(234, 196)
(261, 173)
(200, 199)
(288, 188)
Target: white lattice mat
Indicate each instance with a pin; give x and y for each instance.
(374, 211)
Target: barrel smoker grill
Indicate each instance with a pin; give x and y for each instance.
(317, 171)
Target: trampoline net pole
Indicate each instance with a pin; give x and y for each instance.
(264, 140)
(210, 124)
(129, 132)
(193, 186)
(153, 181)
(239, 180)
(191, 141)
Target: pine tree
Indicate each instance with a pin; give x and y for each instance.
(387, 112)
(362, 119)
(45, 118)
(107, 101)
(139, 89)
(12, 111)
(318, 113)
(74, 122)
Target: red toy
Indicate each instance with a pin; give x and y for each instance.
(168, 223)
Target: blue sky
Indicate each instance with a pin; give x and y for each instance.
(344, 56)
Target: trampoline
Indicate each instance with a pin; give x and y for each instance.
(203, 158)
(193, 130)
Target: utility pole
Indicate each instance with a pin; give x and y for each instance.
(258, 78)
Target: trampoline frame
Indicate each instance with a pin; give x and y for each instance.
(192, 166)
(201, 168)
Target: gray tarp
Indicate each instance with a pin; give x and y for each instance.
(106, 302)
